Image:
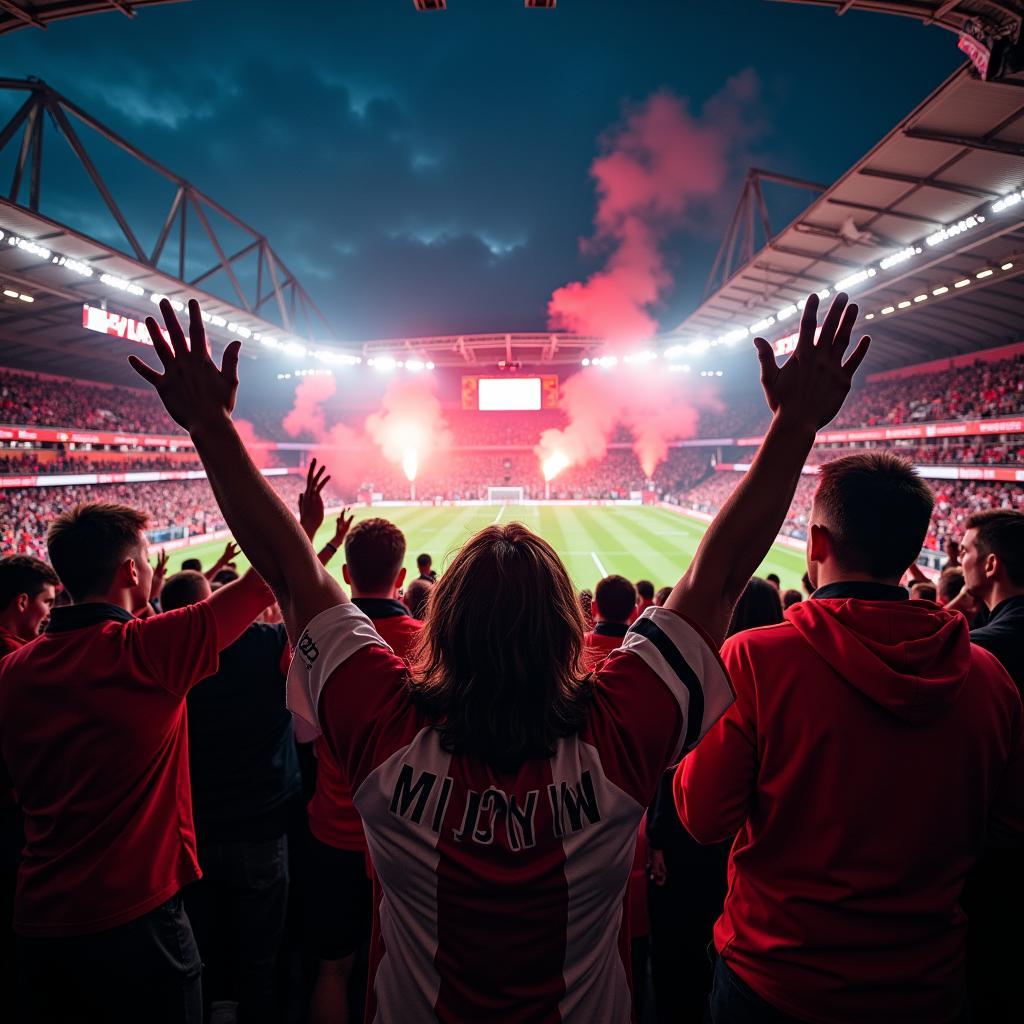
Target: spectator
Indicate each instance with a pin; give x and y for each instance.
(497, 702)
(192, 565)
(662, 596)
(992, 561)
(28, 588)
(805, 582)
(822, 921)
(921, 591)
(245, 775)
(586, 599)
(790, 598)
(644, 596)
(759, 605)
(774, 580)
(613, 606)
(951, 583)
(417, 597)
(424, 565)
(340, 912)
(93, 736)
(688, 879)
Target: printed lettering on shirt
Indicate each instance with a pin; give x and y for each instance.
(572, 804)
(308, 649)
(519, 822)
(406, 792)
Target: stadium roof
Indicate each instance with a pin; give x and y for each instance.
(16, 14)
(926, 232)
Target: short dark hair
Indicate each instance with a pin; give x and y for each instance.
(192, 564)
(225, 576)
(23, 574)
(88, 542)
(809, 587)
(923, 591)
(645, 588)
(876, 509)
(773, 578)
(951, 582)
(662, 596)
(790, 598)
(423, 561)
(1001, 533)
(184, 588)
(616, 598)
(374, 552)
(417, 598)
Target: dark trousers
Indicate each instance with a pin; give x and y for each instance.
(683, 912)
(733, 1001)
(146, 970)
(238, 912)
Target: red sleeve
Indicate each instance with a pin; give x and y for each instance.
(179, 648)
(714, 785)
(236, 606)
(365, 711)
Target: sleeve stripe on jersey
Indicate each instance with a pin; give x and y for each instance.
(668, 650)
(330, 639)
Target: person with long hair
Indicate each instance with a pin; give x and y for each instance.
(500, 785)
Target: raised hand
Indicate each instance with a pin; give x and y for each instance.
(809, 388)
(311, 502)
(194, 392)
(342, 525)
(231, 552)
(162, 559)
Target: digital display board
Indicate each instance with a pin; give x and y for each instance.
(510, 394)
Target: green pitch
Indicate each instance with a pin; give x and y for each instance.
(635, 542)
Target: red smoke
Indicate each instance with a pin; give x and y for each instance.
(307, 415)
(652, 167)
(410, 426)
(257, 447)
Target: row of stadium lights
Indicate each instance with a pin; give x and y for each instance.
(383, 364)
(851, 281)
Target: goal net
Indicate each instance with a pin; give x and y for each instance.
(505, 495)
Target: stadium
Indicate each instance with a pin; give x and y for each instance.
(618, 448)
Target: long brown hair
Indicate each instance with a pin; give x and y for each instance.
(498, 665)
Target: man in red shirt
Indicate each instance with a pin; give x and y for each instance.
(93, 736)
(341, 909)
(500, 786)
(28, 588)
(613, 607)
(870, 752)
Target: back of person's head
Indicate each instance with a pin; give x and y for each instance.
(614, 599)
(759, 605)
(808, 586)
(790, 598)
(424, 562)
(23, 574)
(645, 591)
(951, 582)
(921, 591)
(225, 576)
(874, 509)
(193, 564)
(89, 543)
(774, 580)
(662, 596)
(499, 663)
(999, 533)
(184, 588)
(417, 597)
(374, 552)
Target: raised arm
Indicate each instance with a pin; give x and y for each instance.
(229, 554)
(311, 512)
(803, 395)
(200, 398)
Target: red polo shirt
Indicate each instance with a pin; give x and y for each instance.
(604, 638)
(93, 736)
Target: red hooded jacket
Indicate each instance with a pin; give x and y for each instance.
(870, 749)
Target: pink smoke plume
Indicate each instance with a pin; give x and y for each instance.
(654, 407)
(409, 427)
(306, 415)
(257, 447)
(651, 169)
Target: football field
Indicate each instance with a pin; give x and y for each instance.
(634, 541)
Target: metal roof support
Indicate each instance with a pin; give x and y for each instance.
(929, 182)
(158, 249)
(966, 142)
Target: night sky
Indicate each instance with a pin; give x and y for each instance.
(429, 173)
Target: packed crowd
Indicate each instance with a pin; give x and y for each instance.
(34, 463)
(987, 451)
(483, 796)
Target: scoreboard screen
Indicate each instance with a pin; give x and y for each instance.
(510, 394)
